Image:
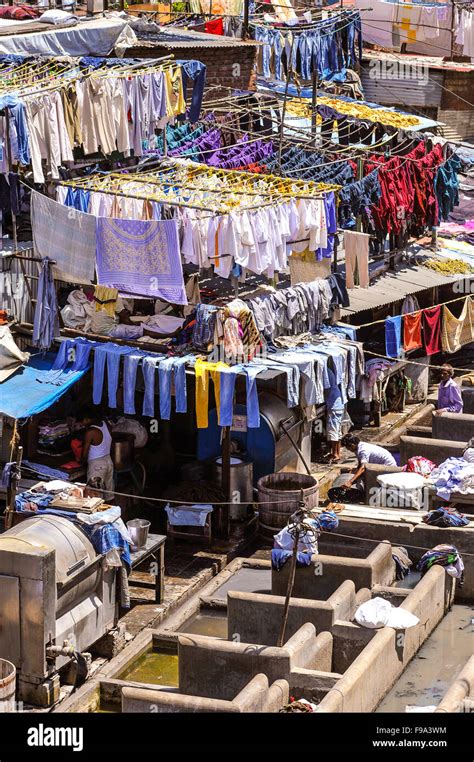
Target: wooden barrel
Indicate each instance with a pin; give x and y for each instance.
(7, 686)
(278, 497)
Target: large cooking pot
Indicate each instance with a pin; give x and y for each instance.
(122, 450)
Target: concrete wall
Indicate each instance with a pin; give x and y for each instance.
(468, 399)
(256, 696)
(436, 450)
(256, 618)
(371, 474)
(220, 669)
(458, 427)
(421, 536)
(462, 688)
(326, 573)
(375, 670)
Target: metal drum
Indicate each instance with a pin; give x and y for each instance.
(278, 497)
(241, 484)
(122, 450)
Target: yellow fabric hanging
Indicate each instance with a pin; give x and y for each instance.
(175, 103)
(456, 332)
(202, 370)
(105, 299)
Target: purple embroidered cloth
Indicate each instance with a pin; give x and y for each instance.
(141, 257)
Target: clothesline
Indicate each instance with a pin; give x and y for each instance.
(415, 312)
(296, 502)
(317, 25)
(431, 79)
(323, 145)
(412, 362)
(277, 189)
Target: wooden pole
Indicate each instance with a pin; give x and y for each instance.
(16, 457)
(299, 515)
(245, 25)
(291, 582)
(451, 57)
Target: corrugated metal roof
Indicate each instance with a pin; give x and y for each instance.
(394, 286)
(405, 90)
(433, 62)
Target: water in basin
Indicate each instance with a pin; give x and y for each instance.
(156, 666)
(207, 622)
(246, 580)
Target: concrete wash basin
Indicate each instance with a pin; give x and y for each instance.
(326, 657)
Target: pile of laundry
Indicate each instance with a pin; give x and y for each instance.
(453, 475)
(443, 555)
(445, 517)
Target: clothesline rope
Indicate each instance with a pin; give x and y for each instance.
(276, 502)
(415, 312)
(414, 362)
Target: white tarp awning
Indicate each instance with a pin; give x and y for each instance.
(87, 38)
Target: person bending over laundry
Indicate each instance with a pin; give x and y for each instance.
(366, 453)
(449, 393)
(96, 450)
(121, 326)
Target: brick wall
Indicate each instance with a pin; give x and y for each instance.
(228, 66)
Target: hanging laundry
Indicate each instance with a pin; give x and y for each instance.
(203, 331)
(46, 321)
(356, 247)
(456, 332)
(412, 332)
(141, 257)
(393, 339)
(379, 32)
(203, 370)
(215, 26)
(241, 337)
(447, 186)
(432, 329)
(69, 239)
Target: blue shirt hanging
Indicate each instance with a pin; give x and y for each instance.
(393, 336)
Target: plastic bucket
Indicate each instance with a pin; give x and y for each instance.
(138, 529)
(7, 686)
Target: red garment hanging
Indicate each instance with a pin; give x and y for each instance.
(412, 331)
(216, 26)
(432, 329)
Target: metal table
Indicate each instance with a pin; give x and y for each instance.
(155, 551)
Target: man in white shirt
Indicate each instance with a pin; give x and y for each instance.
(366, 453)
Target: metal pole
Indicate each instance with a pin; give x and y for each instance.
(9, 162)
(314, 103)
(288, 76)
(224, 510)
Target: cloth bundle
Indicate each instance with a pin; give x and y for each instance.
(280, 557)
(443, 555)
(445, 517)
(419, 465)
(402, 562)
(453, 475)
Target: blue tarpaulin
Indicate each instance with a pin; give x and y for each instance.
(27, 392)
